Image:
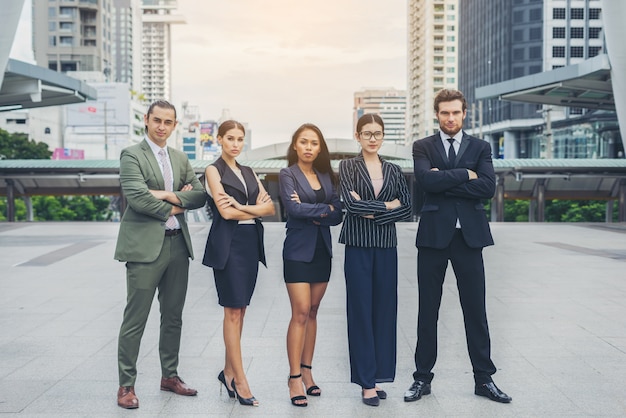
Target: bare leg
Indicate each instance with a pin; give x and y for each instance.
(317, 293)
(300, 299)
(233, 369)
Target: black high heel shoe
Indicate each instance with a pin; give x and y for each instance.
(297, 397)
(312, 390)
(222, 378)
(244, 401)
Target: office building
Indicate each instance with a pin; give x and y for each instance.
(156, 49)
(432, 61)
(389, 103)
(126, 27)
(500, 41)
(72, 35)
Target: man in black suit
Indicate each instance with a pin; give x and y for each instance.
(455, 172)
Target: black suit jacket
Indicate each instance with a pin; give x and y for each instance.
(217, 249)
(450, 195)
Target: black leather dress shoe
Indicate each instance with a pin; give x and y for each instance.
(491, 391)
(417, 389)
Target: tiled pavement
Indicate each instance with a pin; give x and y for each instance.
(556, 306)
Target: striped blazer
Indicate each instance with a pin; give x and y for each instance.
(379, 232)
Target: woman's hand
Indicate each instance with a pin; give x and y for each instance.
(295, 197)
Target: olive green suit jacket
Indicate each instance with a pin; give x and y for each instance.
(142, 229)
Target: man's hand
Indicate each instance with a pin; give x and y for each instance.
(472, 174)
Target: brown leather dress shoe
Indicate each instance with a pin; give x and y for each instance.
(126, 397)
(175, 384)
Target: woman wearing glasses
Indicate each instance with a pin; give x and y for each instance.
(375, 196)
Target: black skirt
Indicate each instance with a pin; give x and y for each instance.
(315, 271)
(235, 283)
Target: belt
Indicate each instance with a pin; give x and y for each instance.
(172, 232)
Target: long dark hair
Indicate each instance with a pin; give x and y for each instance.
(322, 162)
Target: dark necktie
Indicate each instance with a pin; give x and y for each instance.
(451, 152)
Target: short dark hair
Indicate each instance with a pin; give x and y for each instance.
(369, 118)
(227, 125)
(322, 162)
(164, 104)
(448, 95)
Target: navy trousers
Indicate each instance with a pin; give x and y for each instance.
(372, 307)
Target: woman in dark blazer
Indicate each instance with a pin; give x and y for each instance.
(308, 193)
(238, 201)
(375, 195)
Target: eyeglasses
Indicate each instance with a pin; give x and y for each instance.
(367, 135)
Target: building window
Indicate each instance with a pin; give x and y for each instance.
(450, 80)
(535, 34)
(577, 33)
(518, 16)
(534, 69)
(594, 14)
(518, 54)
(594, 33)
(594, 50)
(534, 52)
(450, 60)
(52, 66)
(450, 49)
(52, 26)
(558, 33)
(577, 52)
(450, 38)
(450, 28)
(554, 67)
(66, 40)
(450, 7)
(518, 35)
(52, 41)
(518, 72)
(577, 13)
(451, 17)
(558, 13)
(558, 52)
(535, 15)
(451, 70)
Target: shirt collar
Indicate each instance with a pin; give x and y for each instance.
(155, 148)
(457, 137)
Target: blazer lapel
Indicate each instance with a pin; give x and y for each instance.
(439, 147)
(465, 143)
(305, 187)
(365, 176)
(176, 168)
(154, 164)
(230, 178)
(327, 185)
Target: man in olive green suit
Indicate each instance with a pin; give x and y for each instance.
(159, 185)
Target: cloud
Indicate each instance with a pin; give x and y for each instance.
(276, 64)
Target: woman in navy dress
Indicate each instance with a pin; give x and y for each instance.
(308, 193)
(376, 196)
(238, 201)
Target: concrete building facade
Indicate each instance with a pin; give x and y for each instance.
(73, 35)
(157, 18)
(432, 61)
(389, 103)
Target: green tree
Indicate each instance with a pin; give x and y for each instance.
(516, 210)
(20, 209)
(18, 147)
